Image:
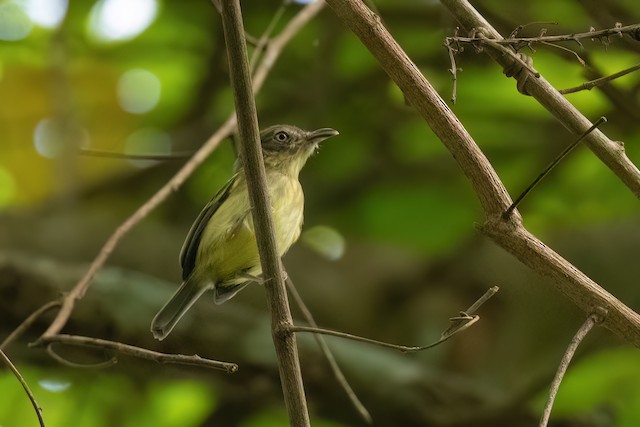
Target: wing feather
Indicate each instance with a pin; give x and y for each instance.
(189, 251)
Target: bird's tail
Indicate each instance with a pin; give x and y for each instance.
(176, 307)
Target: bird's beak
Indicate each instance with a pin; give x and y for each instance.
(317, 136)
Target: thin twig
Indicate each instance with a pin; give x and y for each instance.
(264, 39)
(597, 82)
(592, 320)
(151, 156)
(26, 323)
(555, 161)
(453, 70)
(519, 41)
(403, 348)
(141, 353)
(326, 351)
(64, 361)
(268, 60)
(459, 324)
(25, 386)
(566, 49)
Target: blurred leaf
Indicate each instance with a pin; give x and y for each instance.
(604, 381)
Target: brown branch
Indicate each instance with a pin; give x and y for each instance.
(611, 153)
(141, 353)
(251, 154)
(592, 320)
(602, 80)
(25, 386)
(326, 351)
(511, 234)
(425, 99)
(268, 60)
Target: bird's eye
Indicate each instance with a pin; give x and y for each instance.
(281, 136)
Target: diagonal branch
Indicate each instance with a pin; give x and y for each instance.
(510, 234)
(611, 153)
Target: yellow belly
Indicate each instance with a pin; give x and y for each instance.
(228, 247)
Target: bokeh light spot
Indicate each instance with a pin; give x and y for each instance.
(138, 91)
(7, 187)
(54, 385)
(50, 138)
(119, 20)
(46, 13)
(147, 141)
(14, 23)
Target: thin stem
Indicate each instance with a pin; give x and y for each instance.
(399, 347)
(25, 386)
(591, 321)
(141, 353)
(555, 161)
(264, 39)
(150, 156)
(253, 163)
(600, 81)
(459, 324)
(600, 34)
(326, 351)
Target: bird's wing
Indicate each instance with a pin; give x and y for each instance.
(189, 250)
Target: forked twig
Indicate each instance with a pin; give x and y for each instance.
(548, 169)
(25, 386)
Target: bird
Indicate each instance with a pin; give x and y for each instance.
(220, 252)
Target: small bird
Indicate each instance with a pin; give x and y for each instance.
(220, 251)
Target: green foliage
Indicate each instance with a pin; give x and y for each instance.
(103, 399)
(602, 384)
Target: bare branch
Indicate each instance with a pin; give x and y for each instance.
(511, 234)
(592, 320)
(141, 353)
(629, 30)
(24, 384)
(253, 164)
(602, 80)
(611, 153)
